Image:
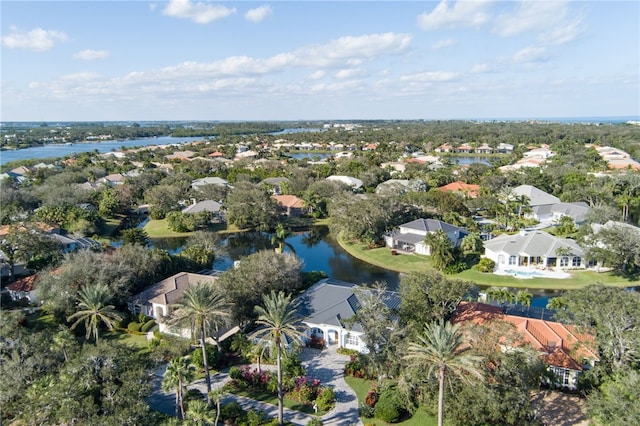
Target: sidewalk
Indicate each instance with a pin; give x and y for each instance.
(326, 365)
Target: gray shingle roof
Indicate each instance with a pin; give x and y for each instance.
(332, 301)
(206, 205)
(536, 196)
(533, 243)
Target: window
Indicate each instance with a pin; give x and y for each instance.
(513, 260)
(576, 261)
(562, 374)
(352, 340)
(564, 261)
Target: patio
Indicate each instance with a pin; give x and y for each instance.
(532, 272)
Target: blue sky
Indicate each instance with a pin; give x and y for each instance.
(290, 60)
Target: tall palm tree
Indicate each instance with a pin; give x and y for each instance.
(277, 324)
(206, 309)
(93, 310)
(440, 350)
(62, 341)
(179, 373)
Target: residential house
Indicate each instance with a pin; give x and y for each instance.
(464, 149)
(198, 183)
(291, 205)
(112, 179)
(566, 351)
(180, 155)
(325, 307)
(462, 188)
(69, 244)
(276, 184)
(444, 148)
(211, 206)
(393, 186)
(534, 248)
(484, 149)
(410, 236)
(504, 148)
(158, 300)
(354, 183)
(548, 209)
(16, 177)
(24, 288)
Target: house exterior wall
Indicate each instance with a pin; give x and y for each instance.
(333, 335)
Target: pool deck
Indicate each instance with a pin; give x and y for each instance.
(521, 272)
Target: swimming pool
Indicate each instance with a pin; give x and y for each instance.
(521, 274)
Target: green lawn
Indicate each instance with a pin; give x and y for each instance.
(407, 263)
(361, 388)
(137, 340)
(159, 229)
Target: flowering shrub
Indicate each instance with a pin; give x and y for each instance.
(356, 368)
(305, 390)
(372, 397)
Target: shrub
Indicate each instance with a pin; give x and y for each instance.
(486, 265)
(231, 411)
(234, 373)
(326, 399)
(315, 422)
(456, 267)
(388, 408)
(212, 357)
(365, 411)
(148, 325)
(372, 396)
(134, 327)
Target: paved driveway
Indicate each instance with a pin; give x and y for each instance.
(326, 365)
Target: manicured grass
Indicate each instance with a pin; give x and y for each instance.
(137, 340)
(160, 229)
(110, 225)
(361, 388)
(407, 263)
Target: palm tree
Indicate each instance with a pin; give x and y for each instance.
(93, 309)
(206, 309)
(198, 412)
(62, 341)
(216, 396)
(440, 249)
(524, 298)
(439, 349)
(179, 373)
(277, 324)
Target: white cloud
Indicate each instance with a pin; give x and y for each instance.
(551, 20)
(441, 44)
(317, 75)
(36, 40)
(353, 50)
(200, 12)
(480, 68)
(347, 73)
(462, 14)
(430, 76)
(258, 14)
(531, 54)
(90, 55)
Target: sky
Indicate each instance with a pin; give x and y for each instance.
(318, 60)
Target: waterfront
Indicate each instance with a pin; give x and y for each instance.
(318, 251)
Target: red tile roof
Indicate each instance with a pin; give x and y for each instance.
(290, 201)
(26, 284)
(459, 186)
(561, 344)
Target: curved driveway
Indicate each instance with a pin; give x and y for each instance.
(326, 365)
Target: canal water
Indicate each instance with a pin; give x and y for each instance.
(319, 251)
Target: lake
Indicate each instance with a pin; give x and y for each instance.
(319, 251)
(62, 150)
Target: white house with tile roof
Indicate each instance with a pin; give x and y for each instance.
(534, 248)
(410, 236)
